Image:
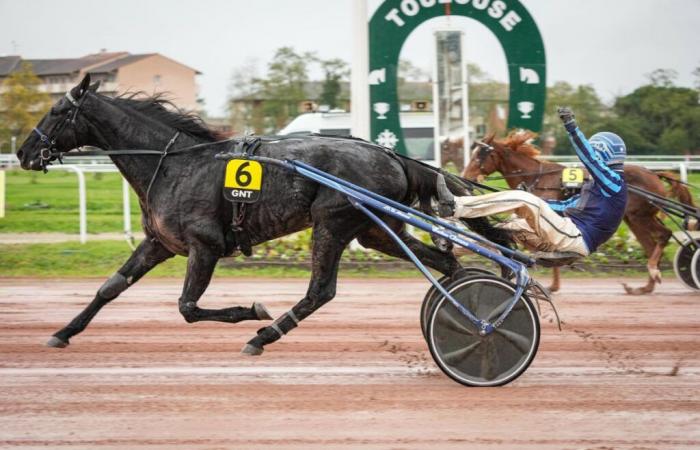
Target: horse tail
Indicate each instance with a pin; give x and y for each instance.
(677, 189)
(422, 182)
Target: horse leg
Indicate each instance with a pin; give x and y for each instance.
(147, 255)
(377, 239)
(329, 241)
(201, 262)
(556, 280)
(653, 236)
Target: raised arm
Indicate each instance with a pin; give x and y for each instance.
(608, 180)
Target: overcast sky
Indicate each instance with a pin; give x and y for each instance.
(609, 44)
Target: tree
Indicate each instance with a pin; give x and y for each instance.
(283, 88)
(410, 72)
(22, 104)
(666, 118)
(335, 71)
(485, 94)
(696, 74)
(244, 82)
(662, 77)
(584, 100)
(244, 79)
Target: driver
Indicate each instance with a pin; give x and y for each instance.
(589, 219)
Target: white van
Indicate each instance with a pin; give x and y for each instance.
(417, 129)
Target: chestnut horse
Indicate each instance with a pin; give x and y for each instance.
(514, 158)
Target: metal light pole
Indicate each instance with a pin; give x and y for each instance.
(359, 86)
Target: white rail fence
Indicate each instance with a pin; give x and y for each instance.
(81, 166)
(93, 164)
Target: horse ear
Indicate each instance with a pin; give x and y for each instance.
(489, 138)
(82, 87)
(94, 86)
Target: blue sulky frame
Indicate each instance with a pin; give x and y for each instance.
(366, 201)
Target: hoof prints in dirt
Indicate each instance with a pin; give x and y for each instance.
(416, 361)
(620, 362)
(614, 359)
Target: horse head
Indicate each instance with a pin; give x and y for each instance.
(485, 159)
(513, 154)
(62, 129)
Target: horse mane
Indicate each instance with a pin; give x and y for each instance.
(520, 142)
(161, 108)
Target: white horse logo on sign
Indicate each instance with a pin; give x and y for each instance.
(529, 76)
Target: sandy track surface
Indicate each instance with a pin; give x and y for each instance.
(624, 373)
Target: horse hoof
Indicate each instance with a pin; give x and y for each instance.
(252, 350)
(261, 311)
(56, 343)
(636, 291)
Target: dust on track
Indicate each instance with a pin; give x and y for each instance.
(623, 373)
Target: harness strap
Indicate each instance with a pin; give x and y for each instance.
(240, 236)
(72, 100)
(164, 153)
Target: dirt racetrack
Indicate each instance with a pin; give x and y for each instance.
(624, 373)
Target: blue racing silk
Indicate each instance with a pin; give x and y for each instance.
(560, 206)
(598, 210)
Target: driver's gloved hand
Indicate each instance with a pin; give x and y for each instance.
(567, 117)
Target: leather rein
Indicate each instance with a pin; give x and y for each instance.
(50, 152)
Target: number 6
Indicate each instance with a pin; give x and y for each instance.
(243, 177)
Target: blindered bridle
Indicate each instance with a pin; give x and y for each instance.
(50, 152)
(484, 150)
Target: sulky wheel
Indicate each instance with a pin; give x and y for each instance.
(695, 267)
(432, 294)
(683, 264)
(474, 360)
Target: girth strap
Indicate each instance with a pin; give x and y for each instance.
(240, 236)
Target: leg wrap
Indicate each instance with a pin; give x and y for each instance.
(113, 287)
(285, 323)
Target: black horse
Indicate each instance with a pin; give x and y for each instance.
(184, 212)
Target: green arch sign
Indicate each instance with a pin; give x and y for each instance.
(512, 24)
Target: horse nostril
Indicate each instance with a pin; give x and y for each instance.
(20, 154)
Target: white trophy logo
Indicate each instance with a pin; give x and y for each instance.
(526, 108)
(381, 108)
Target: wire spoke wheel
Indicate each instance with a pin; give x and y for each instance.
(683, 264)
(432, 294)
(474, 360)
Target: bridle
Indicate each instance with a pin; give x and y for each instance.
(50, 152)
(484, 150)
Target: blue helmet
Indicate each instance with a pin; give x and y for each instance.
(610, 147)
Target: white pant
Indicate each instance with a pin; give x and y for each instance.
(537, 226)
